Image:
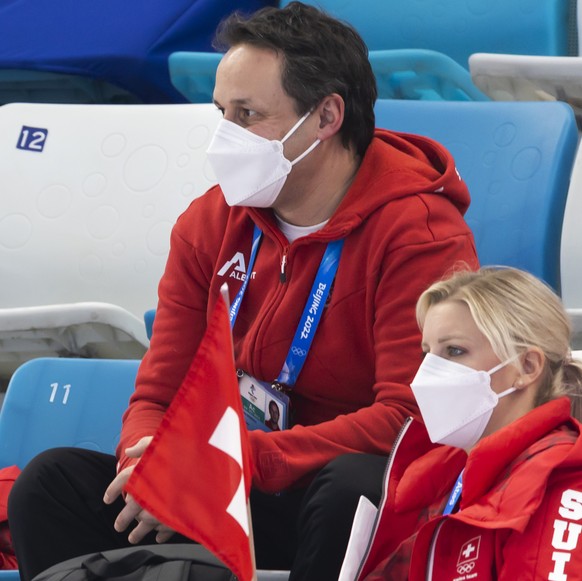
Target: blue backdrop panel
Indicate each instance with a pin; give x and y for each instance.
(124, 43)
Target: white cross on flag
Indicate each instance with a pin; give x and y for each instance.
(195, 476)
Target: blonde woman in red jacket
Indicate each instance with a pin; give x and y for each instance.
(502, 498)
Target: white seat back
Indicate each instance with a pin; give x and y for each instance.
(571, 252)
(89, 194)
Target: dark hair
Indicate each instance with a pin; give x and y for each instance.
(322, 55)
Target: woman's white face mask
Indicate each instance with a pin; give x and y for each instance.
(456, 401)
(250, 169)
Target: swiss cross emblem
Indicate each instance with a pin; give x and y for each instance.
(468, 554)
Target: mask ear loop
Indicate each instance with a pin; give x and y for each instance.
(502, 364)
(307, 151)
(506, 392)
(292, 131)
(497, 368)
(295, 127)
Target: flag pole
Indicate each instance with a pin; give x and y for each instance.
(226, 298)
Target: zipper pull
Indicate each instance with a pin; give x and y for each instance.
(283, 275)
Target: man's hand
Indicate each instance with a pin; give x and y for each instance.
(132, 510)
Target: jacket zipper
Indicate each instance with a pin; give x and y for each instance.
(431, 552)
(391, 456)
(283, 275)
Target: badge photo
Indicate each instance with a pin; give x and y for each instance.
(264, 407)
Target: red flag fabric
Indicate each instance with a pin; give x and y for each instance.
(195, 475)
(7, 556)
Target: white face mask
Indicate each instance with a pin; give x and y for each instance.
(456, 401)
(250, 169)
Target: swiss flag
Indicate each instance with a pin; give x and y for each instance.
(195, 476)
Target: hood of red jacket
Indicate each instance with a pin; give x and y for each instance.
(396, 165)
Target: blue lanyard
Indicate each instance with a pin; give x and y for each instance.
(235, 306)
(455, 495)
(312, 312)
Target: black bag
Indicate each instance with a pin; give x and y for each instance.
(172, 562)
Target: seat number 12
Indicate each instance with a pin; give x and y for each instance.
(32, 138)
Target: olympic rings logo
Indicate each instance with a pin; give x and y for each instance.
(298, 351)
(466, 568)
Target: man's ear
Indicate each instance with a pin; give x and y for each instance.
(331, 116)
(533, 362)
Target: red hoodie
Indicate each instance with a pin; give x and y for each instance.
(403, 228)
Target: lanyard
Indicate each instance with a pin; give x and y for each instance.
(455, 495)
(234, 308)
(312, 312)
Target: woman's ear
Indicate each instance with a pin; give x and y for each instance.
(533, 362)
(331, 116)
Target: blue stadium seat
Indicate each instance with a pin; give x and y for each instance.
(194, 74)
(148, 318)
(456, 27)
(516, 159)
(424, 75)
(401, 74)
(52, 402)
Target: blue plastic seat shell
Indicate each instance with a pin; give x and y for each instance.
(516, 159)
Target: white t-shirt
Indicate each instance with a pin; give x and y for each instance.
(293, 232)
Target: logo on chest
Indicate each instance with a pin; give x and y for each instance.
(468, 556)
(235, 268)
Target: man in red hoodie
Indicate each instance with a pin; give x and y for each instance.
(326, 231)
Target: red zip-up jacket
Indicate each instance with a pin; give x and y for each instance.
(520, 515)
(402, 223)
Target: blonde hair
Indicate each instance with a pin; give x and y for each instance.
(515, 310)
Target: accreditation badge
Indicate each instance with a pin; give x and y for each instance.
(265, 407)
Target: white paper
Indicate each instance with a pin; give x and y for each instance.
(360, 535)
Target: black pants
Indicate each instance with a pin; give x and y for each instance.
(56, 512)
